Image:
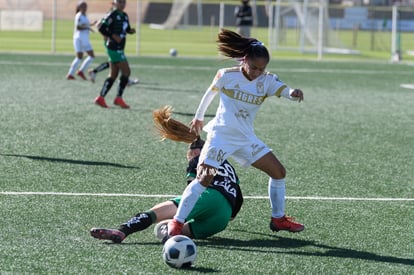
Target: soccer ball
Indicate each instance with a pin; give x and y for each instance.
(179, 251)
(173, 52)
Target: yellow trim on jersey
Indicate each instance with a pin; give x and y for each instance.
(244, 97)
(232, 69)
(215, 89)
(280, 90)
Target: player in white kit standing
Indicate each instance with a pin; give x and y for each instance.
(81, 42)
(242, 90)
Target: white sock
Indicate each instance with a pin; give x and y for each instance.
(74, 65)
(86, 63)
(277, 191)
(189, 198)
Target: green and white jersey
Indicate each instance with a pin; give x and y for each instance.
(115, 22)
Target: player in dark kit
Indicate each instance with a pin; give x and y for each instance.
(244, 18)
(217, 205)
(115, 27)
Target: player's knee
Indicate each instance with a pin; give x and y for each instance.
(279, 173)
(282, 172)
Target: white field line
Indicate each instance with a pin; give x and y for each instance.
(7, 193)
(209, 68)
(407, 86)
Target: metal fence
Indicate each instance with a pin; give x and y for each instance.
(345, 23)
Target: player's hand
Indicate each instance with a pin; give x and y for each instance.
(196, 126)
(116, 38)
(297, 94)
(132, 31)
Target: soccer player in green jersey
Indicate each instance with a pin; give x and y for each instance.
(115, 27)
(217, 205)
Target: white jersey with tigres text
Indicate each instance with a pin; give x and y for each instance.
(240, 99)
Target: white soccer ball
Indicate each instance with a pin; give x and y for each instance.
(173, 52)
(179, 251)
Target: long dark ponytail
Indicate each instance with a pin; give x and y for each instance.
(233, 45)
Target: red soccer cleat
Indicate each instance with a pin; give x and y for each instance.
(108, 234)
(120, 102)
(81, 75)
(285, 223)
(70, 77)
(100, 100)
(175, 228)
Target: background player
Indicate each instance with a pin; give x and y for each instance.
(244, 18)
(81, 42)
(105, 65)
(115, 27)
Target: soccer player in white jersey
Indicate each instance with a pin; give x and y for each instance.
(242, 90)
(81, 42)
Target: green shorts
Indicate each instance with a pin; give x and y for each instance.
(210, 215)
(116, 56)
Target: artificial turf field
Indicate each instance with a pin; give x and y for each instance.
(67, 165)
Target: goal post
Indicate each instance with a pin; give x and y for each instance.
(304, 26)
(395, 36)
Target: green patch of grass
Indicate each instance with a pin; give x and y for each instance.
(199, 42)
(352, 137)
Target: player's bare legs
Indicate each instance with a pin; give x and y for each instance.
(271, 166)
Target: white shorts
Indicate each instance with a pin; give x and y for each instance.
(81, 45)
(245, 152)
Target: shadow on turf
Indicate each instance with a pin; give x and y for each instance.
(263, 245)
(72, 161)
(195, 268)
